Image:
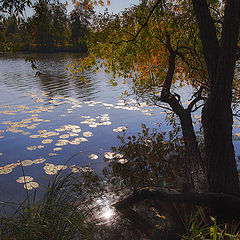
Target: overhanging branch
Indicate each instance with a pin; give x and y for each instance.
(143, 25)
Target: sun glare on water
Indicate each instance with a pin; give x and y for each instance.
(108, 213)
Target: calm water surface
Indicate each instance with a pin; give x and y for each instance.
(54, 121)
(52, 118)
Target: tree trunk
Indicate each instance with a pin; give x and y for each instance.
(193, 153)
(196, 176)
(221, 169)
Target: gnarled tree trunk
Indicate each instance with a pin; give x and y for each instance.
(221, 169)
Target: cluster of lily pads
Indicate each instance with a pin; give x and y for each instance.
(65, 134)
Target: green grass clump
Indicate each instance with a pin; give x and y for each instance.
(55, 216)
(196, 229)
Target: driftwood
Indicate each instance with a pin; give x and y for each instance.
(223, 205)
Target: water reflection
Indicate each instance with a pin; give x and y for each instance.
(151, 159)
(53, 78)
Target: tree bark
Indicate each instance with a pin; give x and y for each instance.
(193, 153)
(197, 175)
(221, 169)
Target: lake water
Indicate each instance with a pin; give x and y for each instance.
(53, 121)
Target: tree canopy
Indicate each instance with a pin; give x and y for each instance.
(158, 43)
(50, 28)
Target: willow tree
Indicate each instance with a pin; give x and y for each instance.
(158, 43)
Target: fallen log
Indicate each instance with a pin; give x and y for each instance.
(221, 205)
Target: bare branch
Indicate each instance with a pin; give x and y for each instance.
(198, 97)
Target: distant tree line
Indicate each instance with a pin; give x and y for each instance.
(48, 29)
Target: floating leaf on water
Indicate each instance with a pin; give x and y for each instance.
(61, 142)
(13, 129)
(31, 148)
(104, 119)
(34, 125)
(87, 134)
(144, 104)
(78, 140)
(5, 170)
(44, 134)
(120, 129)
(106, 123)
(1, 154)
(57, 149)
(118, 155)
(8, 112)
(86, 170)
(122, 161)
(46, 141)
(39, 160)
(93, 125)
(131, 108)
(108, 105)
(104, 115)
(109, 155)
(76, 169)
(35, 136)
(42, 131)
(52, 154)
(71, 134)
(237, 134)
(76, 130)
(51, 169)
(61, 167)
(1, 137)
(24, 179)
(120, 103)
(31, 185)
(26, 163)
(93, 156)
(7, 122)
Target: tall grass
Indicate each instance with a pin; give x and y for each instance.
(55, 216)
(197, 229)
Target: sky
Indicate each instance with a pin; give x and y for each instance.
(116, 6)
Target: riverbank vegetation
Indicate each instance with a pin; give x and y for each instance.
(49, 29)
(155, 45)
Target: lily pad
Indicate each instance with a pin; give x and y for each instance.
(93, 156)
(24, 179)
(31, 185)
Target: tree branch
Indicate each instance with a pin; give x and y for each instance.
(143, 25)
(208, 37)
(198, 97)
